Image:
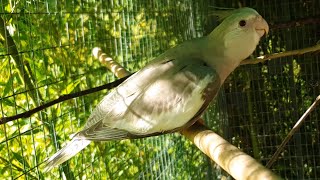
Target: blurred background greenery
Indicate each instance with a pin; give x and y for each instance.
(45, 52)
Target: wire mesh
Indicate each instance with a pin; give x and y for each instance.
(45, 52)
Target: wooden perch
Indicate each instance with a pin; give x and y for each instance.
(112, 65)
(238, 164)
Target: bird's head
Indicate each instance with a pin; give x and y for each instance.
(240, 33)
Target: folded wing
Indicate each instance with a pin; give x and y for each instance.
(161, 98)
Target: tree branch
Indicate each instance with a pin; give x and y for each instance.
(263, 58)
(295, 23)
(293, 130)
(62, 98)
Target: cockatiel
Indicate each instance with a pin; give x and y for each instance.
(174, 89)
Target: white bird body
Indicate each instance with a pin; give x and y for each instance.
(172, 91)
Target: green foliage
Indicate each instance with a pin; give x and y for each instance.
(55, 40)
(255, 110)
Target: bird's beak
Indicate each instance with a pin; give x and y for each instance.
(261, 26)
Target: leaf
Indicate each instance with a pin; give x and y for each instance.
(8, 86)
(8, 8)
(33, 131)
(4, 63)
(8, 102)
(4, 169)
(1, 146)
(21, 160)
(71, 87)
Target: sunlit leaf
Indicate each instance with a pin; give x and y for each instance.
(8, 8)
(4, 63)
(20, 159)
(8, 102)
(32, 132)
(71, 87)
(8, 86)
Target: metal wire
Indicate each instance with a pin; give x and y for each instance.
(255, 109)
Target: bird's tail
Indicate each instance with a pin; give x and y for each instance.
(71, 149)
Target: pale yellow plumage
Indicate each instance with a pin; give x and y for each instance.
(174, 89)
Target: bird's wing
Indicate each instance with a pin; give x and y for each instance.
(161, 98)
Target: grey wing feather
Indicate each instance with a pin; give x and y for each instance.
(132, 86)
(100, 132)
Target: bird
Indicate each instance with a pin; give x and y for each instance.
(172, 91)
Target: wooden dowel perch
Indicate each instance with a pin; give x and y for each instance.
(112, 65)
(238, 164)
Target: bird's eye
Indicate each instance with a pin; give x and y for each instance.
(242, 23)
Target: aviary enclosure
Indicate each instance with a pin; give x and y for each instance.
(46, 53)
